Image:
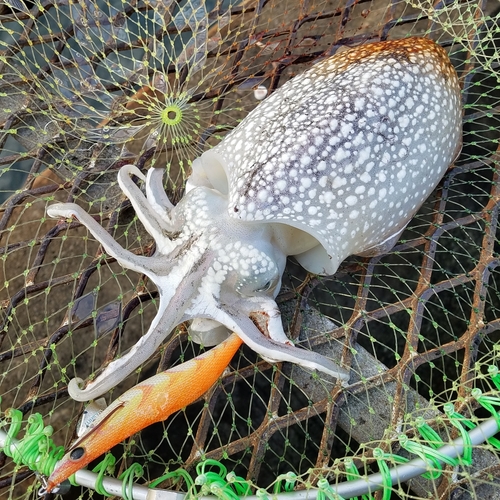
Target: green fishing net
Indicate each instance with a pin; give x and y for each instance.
(88, 86)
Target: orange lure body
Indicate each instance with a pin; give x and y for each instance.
(151, 401)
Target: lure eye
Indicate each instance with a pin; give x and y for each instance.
(77, 453)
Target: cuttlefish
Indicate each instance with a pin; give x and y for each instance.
(334, 163)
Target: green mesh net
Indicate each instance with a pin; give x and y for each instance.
(88, 86)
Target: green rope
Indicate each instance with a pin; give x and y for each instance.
(326, 491)
(290, 479)
(218, 483)
(428, 433)
(240, 484)
(352, 473)
(177, 475)
(262, 494)
(381, 458)
(37, 451)
(107, 464)
(489, 403)
(494, 374)
(127, 477)
(457, 421)
(430, 456)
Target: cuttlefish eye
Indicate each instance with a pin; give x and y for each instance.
(77, 453)
(258, 281)
(268, 286)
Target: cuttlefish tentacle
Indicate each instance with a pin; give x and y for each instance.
(153, 224)
(150, 401)
(171, 311)
(276, 350)
(271, 342)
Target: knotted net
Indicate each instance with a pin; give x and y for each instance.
(86, 87)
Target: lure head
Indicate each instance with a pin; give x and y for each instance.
(103, 428)
(74, 460)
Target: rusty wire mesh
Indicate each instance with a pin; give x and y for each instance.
(418, 326)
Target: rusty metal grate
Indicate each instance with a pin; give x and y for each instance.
(419, 325)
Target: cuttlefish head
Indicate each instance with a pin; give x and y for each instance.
(208, 267)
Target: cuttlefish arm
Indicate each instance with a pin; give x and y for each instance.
(176, 281)
(169, 315)
(154, 218)
(151, 401)
(113, 248)
(156, 195)
(270, 343)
